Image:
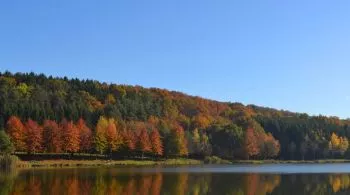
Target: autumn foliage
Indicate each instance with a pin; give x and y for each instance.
(16, 130)
(85, 134)
(52, 137)
(188, 125)
(251, 145)
(144, 144)
(130, 140)
(100, 135)
(179, 142)
(157, 145)
(338, 144)
(137, 138)
(34, 138)
(113, 136)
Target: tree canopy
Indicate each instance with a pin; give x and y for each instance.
(49, 114)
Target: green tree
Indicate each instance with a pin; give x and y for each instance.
(6, 147)
(227, 140)
(196, 141)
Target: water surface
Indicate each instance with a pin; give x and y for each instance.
(202, 179)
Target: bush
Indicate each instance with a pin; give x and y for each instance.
(6, 147)
(8, 161)
(215, 160)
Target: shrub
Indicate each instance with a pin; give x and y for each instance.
(6, 147)
(215, 160)
(8, 161)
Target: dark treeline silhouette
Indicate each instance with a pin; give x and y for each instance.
(44, 114)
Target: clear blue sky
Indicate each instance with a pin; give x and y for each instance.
(292, 56)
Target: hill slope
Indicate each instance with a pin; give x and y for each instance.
(187, 125)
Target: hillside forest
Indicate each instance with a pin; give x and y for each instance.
(43, 114)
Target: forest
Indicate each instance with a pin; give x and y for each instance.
(42, 114)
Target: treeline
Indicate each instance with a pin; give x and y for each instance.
(122, 120)
(70, 137)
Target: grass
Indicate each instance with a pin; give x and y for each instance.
(97, 160)
(111, 163)
(291, 161)
(107, 163)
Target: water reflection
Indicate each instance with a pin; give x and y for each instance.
(129, 181)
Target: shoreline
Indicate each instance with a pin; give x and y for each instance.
(103, 163)
(112, 163)
(322, 161)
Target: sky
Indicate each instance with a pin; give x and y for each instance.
(291, 55)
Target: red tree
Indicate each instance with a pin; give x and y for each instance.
(157, 145)
(270, 146)
(85, 136)
(130, 140)
(112, 136)
(34, 136)
(251, 145)
(52, 136)
(144, 142)
(71, 137)
(16, 130)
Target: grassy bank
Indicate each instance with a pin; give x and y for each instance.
(105, 163)
(208, 160)
(291, 161)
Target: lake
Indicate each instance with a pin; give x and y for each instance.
(293, 179)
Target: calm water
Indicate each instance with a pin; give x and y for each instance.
(223, 179)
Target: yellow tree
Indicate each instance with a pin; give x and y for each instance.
(334, 142)
(100, 136)
(113, 135)
(178, 141)
(344, 144)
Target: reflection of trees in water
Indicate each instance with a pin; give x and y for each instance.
(262, 184)
(314, 184)
(244, 184)
(96, 182)
(7, 178)
(157, 184)
(104, 181)
(257, 184)
(339, 182)
(199, 184)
